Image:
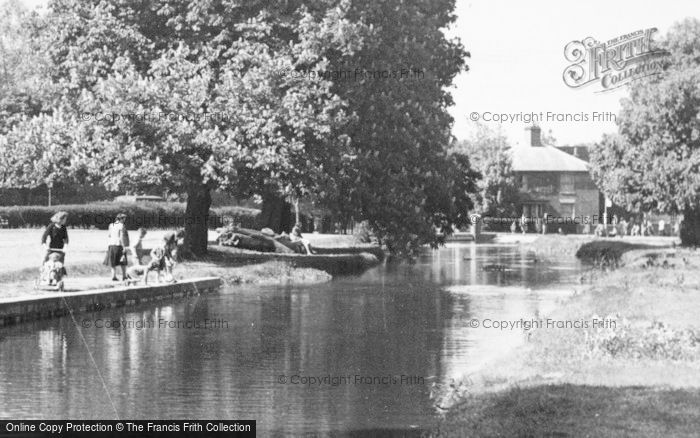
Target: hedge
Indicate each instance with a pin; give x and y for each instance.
(142, 214)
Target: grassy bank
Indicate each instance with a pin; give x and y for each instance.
(588, 246)
(631, 367)
(577, 410)
(338, 263)
(87, 276)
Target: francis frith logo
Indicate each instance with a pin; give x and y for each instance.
(613, 63)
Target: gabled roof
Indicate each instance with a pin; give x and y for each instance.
(545, 159)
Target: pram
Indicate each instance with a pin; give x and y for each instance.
(52, 271)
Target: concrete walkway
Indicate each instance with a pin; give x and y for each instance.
(32, 307)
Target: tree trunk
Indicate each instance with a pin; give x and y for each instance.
(276, 214)
(297, 214)
(196, 223)
(690, 227)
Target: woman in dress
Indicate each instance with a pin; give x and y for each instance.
(118, 240)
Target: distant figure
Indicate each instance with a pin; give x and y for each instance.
(523, 223)
(662, 227)
(623, 227)
(544, 224)
(538, 225)
(636, 229)
(677, 227)
(118, 240)
(599, 230)
(296, 236)
(513, 227)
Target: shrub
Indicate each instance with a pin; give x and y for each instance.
(146, 214)
(657, 341)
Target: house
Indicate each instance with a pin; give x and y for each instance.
(578, 151)
(555, 183)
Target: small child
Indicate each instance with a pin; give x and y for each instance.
(161, 256)
(137, 248)
(53, 270)
(135, 272)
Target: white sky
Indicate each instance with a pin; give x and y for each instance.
(517, 58)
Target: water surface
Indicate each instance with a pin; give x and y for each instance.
(397, 320)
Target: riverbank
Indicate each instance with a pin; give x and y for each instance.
(52, 305)
(20, 261)
(621, 357)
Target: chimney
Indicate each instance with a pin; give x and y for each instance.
(532, 136)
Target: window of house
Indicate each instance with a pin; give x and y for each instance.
(568, 210)
(543, 184)
(567, 183)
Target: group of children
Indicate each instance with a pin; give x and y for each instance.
(162, 259)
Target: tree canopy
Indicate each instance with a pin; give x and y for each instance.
(653, 162)
(490, 154)
(187, 96)
(21, 83)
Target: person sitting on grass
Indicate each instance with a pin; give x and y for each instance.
(297, 237)
(134, 273)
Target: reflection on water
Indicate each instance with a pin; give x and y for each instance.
(411, 320)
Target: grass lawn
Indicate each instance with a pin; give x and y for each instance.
(640, 378)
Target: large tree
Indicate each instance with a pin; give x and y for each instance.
(184, 96)
(654, 160)
(189, 96)
(403, 180)
(490, 153)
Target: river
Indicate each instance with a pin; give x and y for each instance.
(376, 345)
